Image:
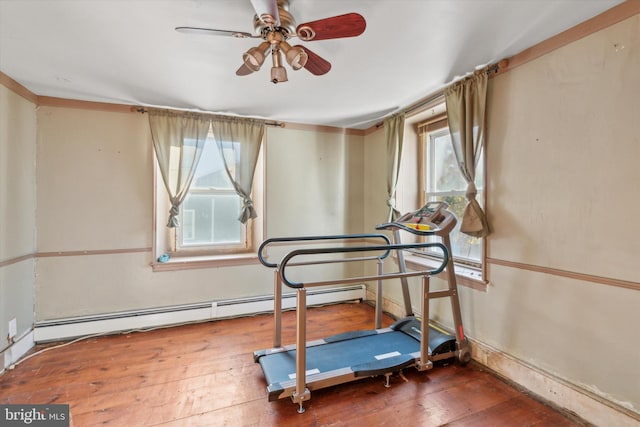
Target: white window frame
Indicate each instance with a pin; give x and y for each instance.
(469, 272)
(198, 256)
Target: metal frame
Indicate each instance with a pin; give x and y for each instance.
(442, 230)
(277, 282)
(302, 392)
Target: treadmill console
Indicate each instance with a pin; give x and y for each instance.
(432, 218)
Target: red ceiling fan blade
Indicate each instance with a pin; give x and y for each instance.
(316, 65)
(348, 25)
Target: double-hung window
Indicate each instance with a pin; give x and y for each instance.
(209, 213)
(209, 232)
(441, 180)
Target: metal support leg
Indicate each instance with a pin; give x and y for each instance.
(302, 393)
(378, 319)
(425, 363)
(277, 309)
(387, 379)
(404, 282)
(462, 344)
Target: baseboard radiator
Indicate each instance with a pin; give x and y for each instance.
(73, 327)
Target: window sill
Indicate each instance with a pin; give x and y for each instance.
(211, 261)
(465, 276)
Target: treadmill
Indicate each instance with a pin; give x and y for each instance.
(296, 370)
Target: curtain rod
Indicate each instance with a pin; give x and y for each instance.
(420, 105)
(143, 110)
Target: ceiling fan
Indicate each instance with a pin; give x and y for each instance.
(275, 26)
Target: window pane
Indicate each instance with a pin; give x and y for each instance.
(479, 181)
(446, 183)
(462, 245)
(447, 176)
(210, 219)
(211, 172)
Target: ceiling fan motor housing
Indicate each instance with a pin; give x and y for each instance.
(287, 23)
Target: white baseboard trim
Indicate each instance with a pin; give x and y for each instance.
(562, 394)
(63, 329)
(17, 350)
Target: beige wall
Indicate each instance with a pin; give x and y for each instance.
(562, 155)
(562, 181)
(17, 211)
(314, 186)
(376, 210)
(95, 184)
(314, 182)
(563, 144)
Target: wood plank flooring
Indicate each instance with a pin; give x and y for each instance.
(204, 375)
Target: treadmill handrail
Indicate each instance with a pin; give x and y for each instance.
(398, 247)
(293, 239)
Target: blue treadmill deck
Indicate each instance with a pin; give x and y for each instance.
(359, 353)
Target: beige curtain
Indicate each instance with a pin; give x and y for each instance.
(394, 134)
(178, 139)
(466, 104)
(243, 138)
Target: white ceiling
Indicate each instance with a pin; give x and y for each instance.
(127, 52)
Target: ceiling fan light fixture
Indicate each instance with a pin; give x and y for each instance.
(254, 57)
(278, 72)
(296, 56)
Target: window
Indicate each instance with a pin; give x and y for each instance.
(444, 182)
(209, 234)
(209, 213)
(440, 179)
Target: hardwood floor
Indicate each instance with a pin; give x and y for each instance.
(204, 375)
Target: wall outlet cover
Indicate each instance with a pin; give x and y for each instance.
(13, 328)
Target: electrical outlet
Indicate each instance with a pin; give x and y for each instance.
(13, 328)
